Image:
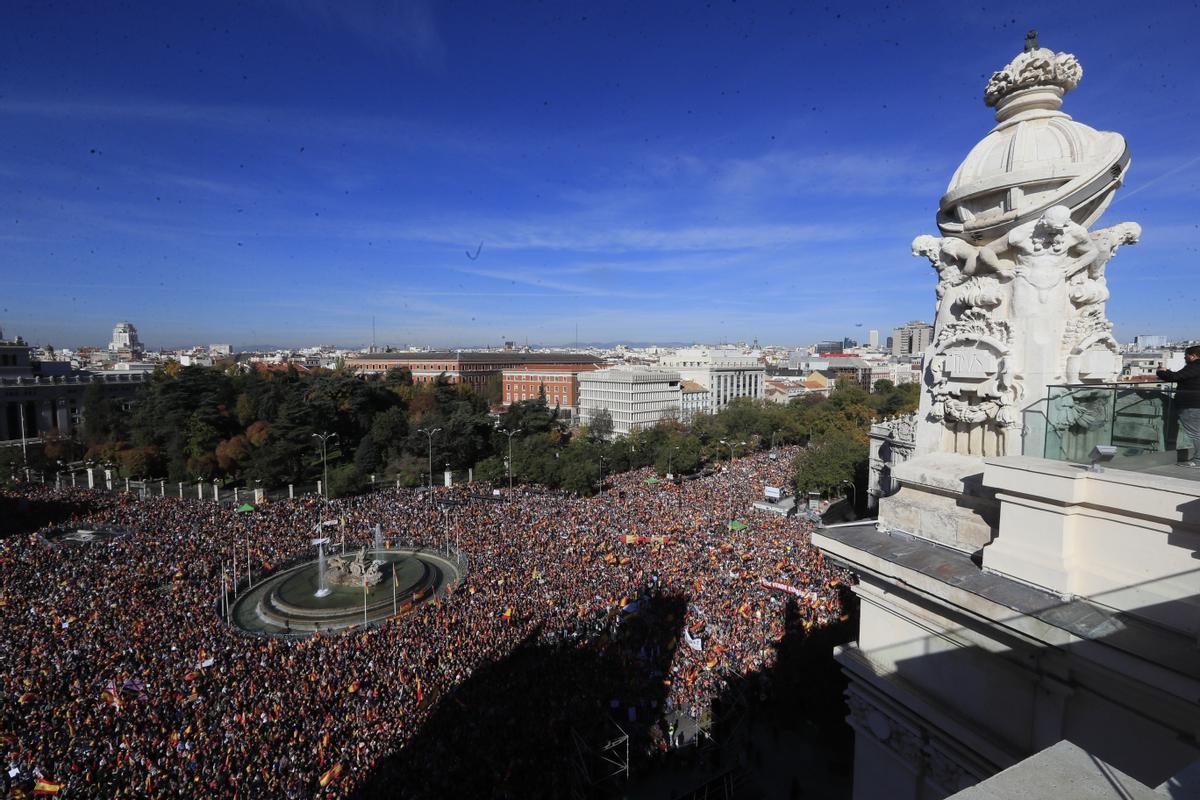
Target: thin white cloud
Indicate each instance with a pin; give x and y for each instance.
(513, 235)
(1143, 186)
(405, 26)
(799, 174)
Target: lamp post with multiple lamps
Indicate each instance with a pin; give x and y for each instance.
(430, 432)
(510, 435)
(732, 446)
(325, 437)
(671, 475)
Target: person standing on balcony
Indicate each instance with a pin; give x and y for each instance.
(1187, 399)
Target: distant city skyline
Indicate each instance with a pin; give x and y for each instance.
(284, 172)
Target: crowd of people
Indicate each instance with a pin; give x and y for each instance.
(120, 679)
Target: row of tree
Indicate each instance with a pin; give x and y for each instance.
(197, 423)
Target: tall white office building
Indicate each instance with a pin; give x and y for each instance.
(912, 339)
(635, 397)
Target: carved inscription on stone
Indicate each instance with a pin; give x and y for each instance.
(963, 363)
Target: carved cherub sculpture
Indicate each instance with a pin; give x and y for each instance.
(1091, 287)
(1046, 253)
(956, 262)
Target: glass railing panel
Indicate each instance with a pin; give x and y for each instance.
(1077, 419)
(1137, 419)
(1140, 419)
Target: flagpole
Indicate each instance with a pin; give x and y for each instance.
(393, 589)
(249, 578)
(364, 602)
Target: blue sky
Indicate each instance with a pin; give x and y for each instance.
(283, 171)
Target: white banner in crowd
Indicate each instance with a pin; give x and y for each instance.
(784, 587)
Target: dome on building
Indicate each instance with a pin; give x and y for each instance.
(1036, 156)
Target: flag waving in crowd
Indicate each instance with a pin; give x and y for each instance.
(149, 688)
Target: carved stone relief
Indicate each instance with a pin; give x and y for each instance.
(1021, 286)
(1013, 317)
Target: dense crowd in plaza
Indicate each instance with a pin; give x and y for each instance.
(119, 679)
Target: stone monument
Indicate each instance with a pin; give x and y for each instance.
(356, 572)
(1020, 295)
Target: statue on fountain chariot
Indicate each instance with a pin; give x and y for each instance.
(355, 572)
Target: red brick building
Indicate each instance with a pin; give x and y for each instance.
(474, 369)
(559, 382)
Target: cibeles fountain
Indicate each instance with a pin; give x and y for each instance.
(341, 591)
(1020, 299)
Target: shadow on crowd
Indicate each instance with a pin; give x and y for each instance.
(780, 732)
(22, 515)
(534, 724)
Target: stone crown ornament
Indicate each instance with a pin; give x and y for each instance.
(1035, 158)
(1039, 67)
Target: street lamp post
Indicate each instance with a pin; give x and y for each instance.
(510, 435)
(671, 475)
(731, 446)
(325, 437)
(773, 435)
(430, 432)
(21, 416)
(601, 474)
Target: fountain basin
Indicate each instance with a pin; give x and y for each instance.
(290, 602)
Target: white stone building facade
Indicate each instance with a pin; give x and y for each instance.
(695, 400)
(726, 374)
(634, 397)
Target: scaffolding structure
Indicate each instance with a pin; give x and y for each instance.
(597, 765)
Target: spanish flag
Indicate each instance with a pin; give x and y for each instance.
(508, 613)
(354, 687)
(331, 775)
(25, 698)
(45, 787)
